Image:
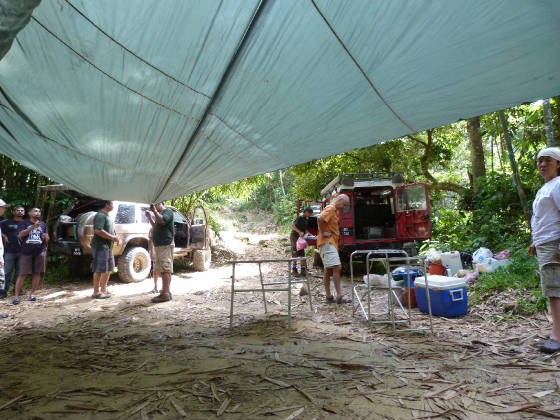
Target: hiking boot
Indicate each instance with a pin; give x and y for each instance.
(303, 272)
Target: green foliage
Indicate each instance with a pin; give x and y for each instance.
(521, 274)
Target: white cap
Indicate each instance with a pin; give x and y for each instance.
(3, 203)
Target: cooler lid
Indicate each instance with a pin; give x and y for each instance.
(440, 282)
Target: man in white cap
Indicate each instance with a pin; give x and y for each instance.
(545, 230)
(3, 207)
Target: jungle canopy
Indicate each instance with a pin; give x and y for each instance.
(147, 100)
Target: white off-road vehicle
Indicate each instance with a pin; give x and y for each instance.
(74, 230)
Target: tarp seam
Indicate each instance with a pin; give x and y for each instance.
(244, 137)
(182, 114)
(219, 86)
(132, 52)
(361, 69)
(207, 136)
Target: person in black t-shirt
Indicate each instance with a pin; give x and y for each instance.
(299, 226)
(12, 247)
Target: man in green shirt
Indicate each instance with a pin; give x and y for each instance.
(163, 235)
(102, 250)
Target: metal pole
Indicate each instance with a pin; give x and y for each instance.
(262, 287)
(309, 291)
(428, 298)
(368, 291)
(289, 295)
(232, 293)
(352, 281)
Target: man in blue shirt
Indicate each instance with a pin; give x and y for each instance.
(12, 247)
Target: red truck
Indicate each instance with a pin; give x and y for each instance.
(383, 213)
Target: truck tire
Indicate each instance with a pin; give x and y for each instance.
(134, 264)
(316, 260)
(201, 259)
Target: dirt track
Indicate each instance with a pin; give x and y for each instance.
(73, 357)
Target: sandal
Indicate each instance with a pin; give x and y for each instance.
(15, 301)
(32, 298)
(101, 296)
(550, 346)
(340, 300)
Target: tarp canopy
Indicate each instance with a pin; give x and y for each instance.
(146, 100)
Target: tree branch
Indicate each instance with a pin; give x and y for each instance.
(433, 183)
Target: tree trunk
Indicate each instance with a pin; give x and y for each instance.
(282, 182)
(476, 149)
(513, 162)
(550, 141)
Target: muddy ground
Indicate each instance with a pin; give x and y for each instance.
(67, 356)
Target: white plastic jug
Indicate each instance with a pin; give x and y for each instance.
(452, 260)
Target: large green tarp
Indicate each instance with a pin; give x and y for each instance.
(145, 100)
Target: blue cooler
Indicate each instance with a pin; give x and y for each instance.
(401, 273)
(448, 295)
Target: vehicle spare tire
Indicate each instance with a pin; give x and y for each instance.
(316, 260)
(134, 264)
(202, 259)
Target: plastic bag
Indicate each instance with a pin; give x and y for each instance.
(491, 265)
(378, 280)
(433, 256)
(481, 255)
(301, 244)
(502, 255)
(468, 275)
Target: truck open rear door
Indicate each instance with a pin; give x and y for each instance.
(412, 208)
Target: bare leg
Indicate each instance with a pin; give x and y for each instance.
(555, 312)
(336, 278)
(96, 280)
(165, 282)
(103, 280)
(156, 277)
(19, 285)
(35, 278)
(327, 281)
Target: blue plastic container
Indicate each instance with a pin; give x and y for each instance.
(400, 273)
(448, 295)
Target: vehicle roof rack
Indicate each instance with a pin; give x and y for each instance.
(349, 178)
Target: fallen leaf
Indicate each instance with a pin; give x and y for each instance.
(543, 393)
(331, 409)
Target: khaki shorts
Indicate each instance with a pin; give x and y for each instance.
(29, 264)
(549, 265)
(164, 258)
(329, 255)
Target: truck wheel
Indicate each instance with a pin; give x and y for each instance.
(134, 265)
(316, 261)
(202, 258)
